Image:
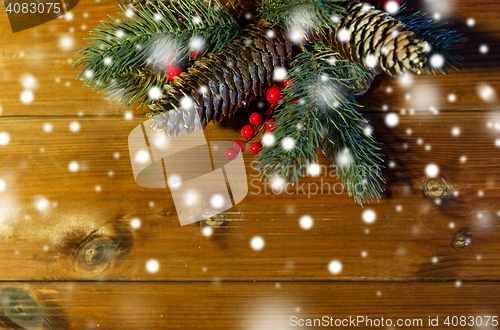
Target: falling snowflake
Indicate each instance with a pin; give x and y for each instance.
(279, 74)
(128, 115)
(344, 158)
(28, 81)
(73, 166)
(4, 138)
(268, 139)
(135, 223)
(306, 222)
(431, 170)
(191, 198)
(392, 7)
(154, 93)
(42, 204)
(142, 157)
(3, 185)
(27, 96)
(371, 61)
(217, 201)
(463, 159)
(47, 127)
(314, 169)
(471, 22)
(335, 267)
(108, 60)
(257, 243)
(66, 42)
(455, 131)
(369, 216)
(186, 103)
(196, 20)
(288, 143)
(343, 35)
(452, 97)
(437, 60)
(484, 49)
(207, 231)
(74, 126)
(392, 120)
(152, 266)
(364, 254)
(486, 92)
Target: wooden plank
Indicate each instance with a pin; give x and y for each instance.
(52, 216)
(38, 52)
(248, 305)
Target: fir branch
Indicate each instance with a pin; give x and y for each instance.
(442, 41)
(146, 38)
(324, 117)
(303, 14)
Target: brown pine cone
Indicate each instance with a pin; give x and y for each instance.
(375, 40)
(223, 82)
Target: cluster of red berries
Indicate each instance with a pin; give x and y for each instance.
(174, 69)
(273, 96)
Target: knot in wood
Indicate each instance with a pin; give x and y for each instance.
(213, 220)
(22, 309)
(461, 240)
(437, 188)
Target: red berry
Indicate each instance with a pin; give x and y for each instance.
(273, 95)
(247, 131)
(197, 54)
(231, 154)
(270, 125)
(255, 147)
(240, 146)
(174, 71)
(167, 61)
(286, 83)
(180, 21)
(296, 99)
(255, 118)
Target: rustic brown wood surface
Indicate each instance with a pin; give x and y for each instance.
(59, 225)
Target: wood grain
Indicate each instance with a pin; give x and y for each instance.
(58, 226)
(412, 237)
(223, 305)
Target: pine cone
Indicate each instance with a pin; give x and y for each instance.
(221, 83)
(374, 32)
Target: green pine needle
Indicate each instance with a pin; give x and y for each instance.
(324, 118)
(119, 48)
(302, 13)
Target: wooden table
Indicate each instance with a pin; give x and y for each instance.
(68, 193)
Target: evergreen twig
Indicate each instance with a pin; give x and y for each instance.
(302, 13)
(324, 118)
(118, 48)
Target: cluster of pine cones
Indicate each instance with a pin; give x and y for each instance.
(243, 69)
